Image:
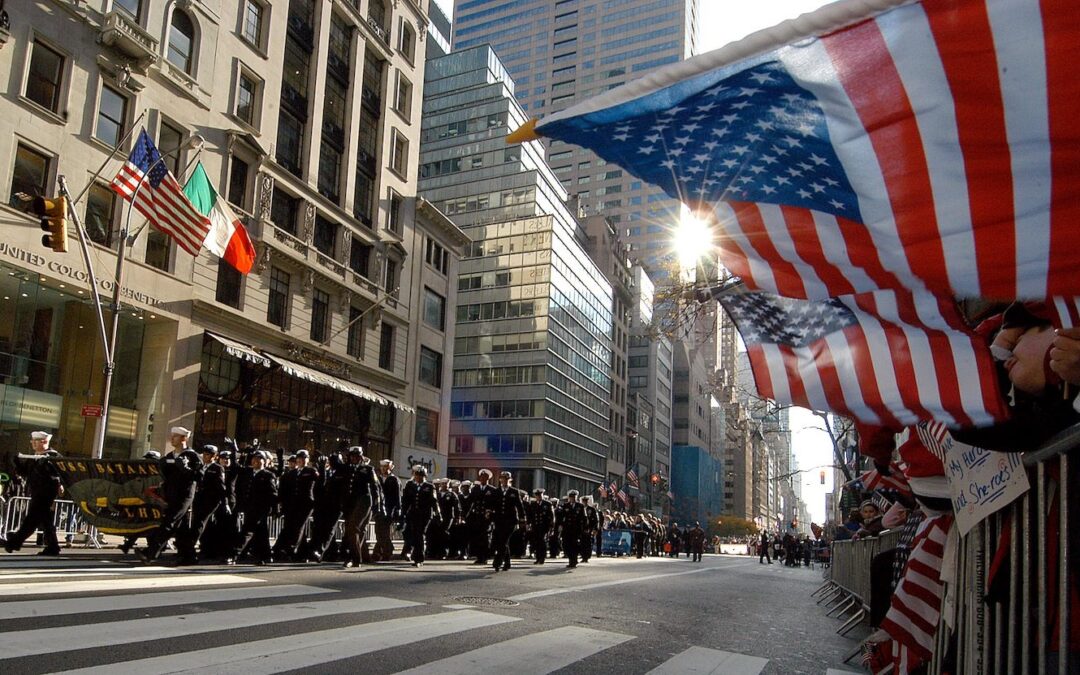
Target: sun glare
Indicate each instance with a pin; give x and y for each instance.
(693, 240)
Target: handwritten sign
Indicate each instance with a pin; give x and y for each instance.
(981, 481)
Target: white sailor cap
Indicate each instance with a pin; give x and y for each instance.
(385, 462)
(419, 469)
(180, 431)
(484, 472)
(440, 481)
(40, 435)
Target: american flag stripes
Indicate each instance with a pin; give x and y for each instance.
(603, 491)
(632, 477)
(875, 480)
(887, 358)
(933, 435)
(160, 198)
(1065, 311)
(623, 497)
(913, 614)
(872, 144)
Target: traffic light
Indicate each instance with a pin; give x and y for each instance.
(655, 478)
(53, 215)
(822, 477)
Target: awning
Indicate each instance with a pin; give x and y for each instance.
(400, 405)
(327, 380)
(234, 348)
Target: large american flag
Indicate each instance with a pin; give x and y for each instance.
(887, 358)
(160, 199)
(632, 477)
(871, 144)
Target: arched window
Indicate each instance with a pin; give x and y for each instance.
(181, 41)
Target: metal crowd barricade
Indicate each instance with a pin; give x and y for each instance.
(846, 592)
(66, 518)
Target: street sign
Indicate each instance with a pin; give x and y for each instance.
(91, 410)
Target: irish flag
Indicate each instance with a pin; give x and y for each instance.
(227, 237)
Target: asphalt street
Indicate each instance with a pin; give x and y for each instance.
(98, 611)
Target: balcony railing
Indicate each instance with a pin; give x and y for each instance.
(377, 28)
(122, 33)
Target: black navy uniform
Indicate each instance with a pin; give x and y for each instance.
(574, 522)
(508, 512)
(180, 474)
(209, 497)
(439, 537)
(257, 495)
(420, 510)
(43, 480)
(541, 518)
(478, 519)
(391, 490)
(363, 496)
(297, 503)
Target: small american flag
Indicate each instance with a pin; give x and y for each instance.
(875, 480)
(603, 491)
(623, 497)
(913, 614)
(160, 199)
(933, 435)
(632, 476)
(887, 358)
(926, 144)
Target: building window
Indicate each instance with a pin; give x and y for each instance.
(427, 428)
(386, 347)
(364, 198)
(399, 154)
(284, 211)
(238, 182)
(431, 367)
(277, 305)
(330, 172)
(252, 23)
(359, 257)
(434, 309)
(157, 249)
(437, 256)
(130, 7)
(290, 142)
(112, 113)
(355, 344)
(45, 77)
(320, 315)
(100, 213)
(403, 96)
(393, 215)
(181, 41)
(247, 97)
(407, 40)
(391, 277)
(228, 284)
(30, 176)
(170, 139)
(325, 236)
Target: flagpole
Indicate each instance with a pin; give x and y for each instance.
(121, 256)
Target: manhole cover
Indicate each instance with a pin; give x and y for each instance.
(486, 602)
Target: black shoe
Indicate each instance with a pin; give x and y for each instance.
(143, 555)
(9, 547)
(506, 568)
(49, 552)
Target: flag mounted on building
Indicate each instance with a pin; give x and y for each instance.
(632, 477)
(227, 239)
(159, 196)
(623, 497)
(871, 144)
(887, 358)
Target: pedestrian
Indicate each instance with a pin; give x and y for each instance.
(541, 517)
(574, 521)
(421, 511)
(554, 541)
(508, 514)
(449, 513)
(209, 496)
(181, 468)
(459, 531)
(640, 534)
(257, 497)
(696, 541)
(391, 492)
(363, 496)
(43, 480)
(763, 550)
(479, 517)
(592, 518)
(297, 498)
(220, 534)
(329, 497)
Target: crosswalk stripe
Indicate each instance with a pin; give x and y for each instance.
(44, 563)
(22, 609)
(63, 639)
(81, 572)
(537, 653)
(307, 650)
(131, 583)
(710, 662)
(615, 582)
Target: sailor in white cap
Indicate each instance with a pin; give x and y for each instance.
(178, 439)
(181, 468)
(573, 522)
(391, 490)
(478, 518)
(421, 509)
(43, 479)
(508, 515)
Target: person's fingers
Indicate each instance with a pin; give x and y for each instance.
(1073, 333)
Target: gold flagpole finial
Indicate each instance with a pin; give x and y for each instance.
(526, 132)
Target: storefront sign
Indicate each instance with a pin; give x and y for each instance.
(431, 461)
(29, 407)
(73, 272)
(91, 411)
(115, 496)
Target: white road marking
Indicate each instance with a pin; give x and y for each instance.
(15, 575)
(699, 660)
(305, 650)
(92, 585)
(22, 609)
(616, 582)
(534, 654)
(64, 639)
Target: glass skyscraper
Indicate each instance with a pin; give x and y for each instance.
(562, 52)
(533, 350)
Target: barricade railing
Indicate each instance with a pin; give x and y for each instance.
(847, 588)
(66, 518)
